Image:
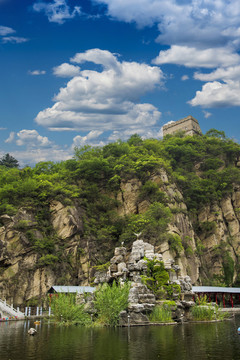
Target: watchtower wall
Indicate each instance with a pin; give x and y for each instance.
(189, 125)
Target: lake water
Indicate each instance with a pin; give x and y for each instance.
(180, 342)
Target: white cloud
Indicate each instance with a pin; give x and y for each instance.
(169, 122)
(232, 72)
(34, 156)
(200, 33)
(90, 139)
(97, 56)
(143, 12)
(10, 138)
(37, 72)
(193, 57)
(37, 148)
(57, 11)
(185, 77)
(32, 139)
(66, 70)
(144, 133)
(4, 30)
(206, 23)
(216, 94)
(207, 114)
(107, 99)
(14, 39)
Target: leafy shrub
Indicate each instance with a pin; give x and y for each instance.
(48, 259)
(207, 227)
(228, 268)
(175, 243)
(22, 225)
(156, 277)
(173, 290)
(189, 251)
(102, 267)
(110, 301)
(150, 191)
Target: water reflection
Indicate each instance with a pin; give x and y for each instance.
(180, 342)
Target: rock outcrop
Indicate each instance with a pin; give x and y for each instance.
(132, 266)
(210, 243)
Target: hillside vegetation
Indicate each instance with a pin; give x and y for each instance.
(204, 168)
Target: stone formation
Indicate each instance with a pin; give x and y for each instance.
(124, 266)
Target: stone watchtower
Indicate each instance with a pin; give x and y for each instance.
(188, 125)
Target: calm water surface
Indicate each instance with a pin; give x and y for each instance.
(180, 342)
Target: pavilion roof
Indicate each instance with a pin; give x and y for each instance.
(215, 289)
(71, 289)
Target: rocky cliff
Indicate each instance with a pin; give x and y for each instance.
(31, 261)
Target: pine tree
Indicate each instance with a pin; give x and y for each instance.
(9, 161)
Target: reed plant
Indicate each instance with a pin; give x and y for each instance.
(161, 313)
(66, 311)
(110, 300)
(204, 312)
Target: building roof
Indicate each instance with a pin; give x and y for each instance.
(71, 289)
(215, 289)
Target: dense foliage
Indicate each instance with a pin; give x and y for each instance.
(204, 168)
(157, 280)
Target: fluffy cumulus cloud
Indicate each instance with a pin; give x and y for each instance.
(232, 72)
(217, 94)
(57, 11)
(199, 33)
(104, 100)
(193, 57)
(222, 88)
(32, 139)
(66, 70)
(212, 23)
(90, 138)
(32, 148)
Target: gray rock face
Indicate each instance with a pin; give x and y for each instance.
(133, 318)
(185, 283)
(141, 300)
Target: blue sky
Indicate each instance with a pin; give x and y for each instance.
(77, 72)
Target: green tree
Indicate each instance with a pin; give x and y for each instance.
(216, 133)
(9, 161)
